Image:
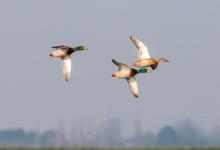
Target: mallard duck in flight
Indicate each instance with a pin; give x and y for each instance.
(144, 59)
(64, 52)
(125, 72)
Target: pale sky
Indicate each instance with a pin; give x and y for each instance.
(34, 94)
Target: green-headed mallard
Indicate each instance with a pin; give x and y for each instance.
(125, 72)
(144, 59)
(64, 52)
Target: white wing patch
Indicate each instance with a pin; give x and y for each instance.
(66, 62)
(132, 83)
(141, 48)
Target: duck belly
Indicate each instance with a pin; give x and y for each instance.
(144, 63)
(122, 74)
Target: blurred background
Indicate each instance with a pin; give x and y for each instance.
(178, 104)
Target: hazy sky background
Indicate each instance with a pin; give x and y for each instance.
(35, 96)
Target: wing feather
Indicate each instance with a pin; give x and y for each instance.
(63, 47)
(141, 48)
(60, 47)
(66, 62)
(120, 66)
(133, 86)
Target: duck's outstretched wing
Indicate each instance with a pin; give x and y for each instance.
(133, 86)
(141, 48)
(120, 66)
(66, 62)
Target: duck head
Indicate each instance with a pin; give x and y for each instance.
(162, 60)
(80, 48)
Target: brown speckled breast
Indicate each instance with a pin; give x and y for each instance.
(70, 51)
(144, 63)
(133, 72)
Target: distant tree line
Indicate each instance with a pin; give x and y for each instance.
(185, 133)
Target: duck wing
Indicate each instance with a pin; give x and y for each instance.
(60, 47)
(141, 48)
(133, 86)
(120, 65)
(63, 47)
(66, 62)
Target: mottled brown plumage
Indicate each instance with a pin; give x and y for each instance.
(150, 62)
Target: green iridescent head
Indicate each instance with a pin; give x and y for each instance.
(81, 48)
(142, 70)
